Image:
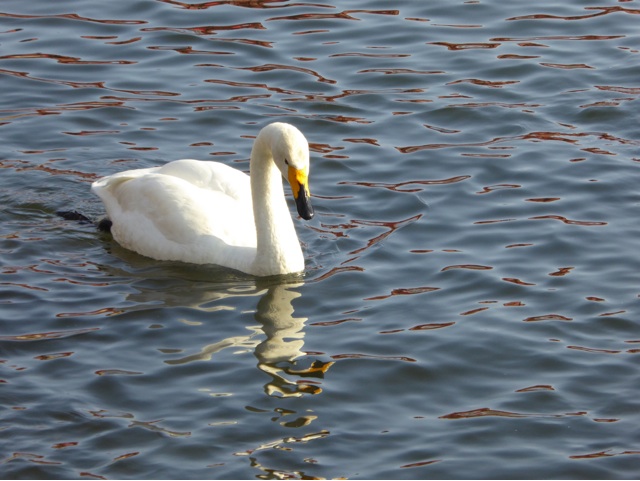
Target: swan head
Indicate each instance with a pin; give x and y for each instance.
(290, 153)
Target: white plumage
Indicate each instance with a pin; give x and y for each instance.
(209, 213)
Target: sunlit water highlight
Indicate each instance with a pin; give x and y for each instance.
(471, 298)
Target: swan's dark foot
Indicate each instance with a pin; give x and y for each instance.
(74, 215)
(103, 225)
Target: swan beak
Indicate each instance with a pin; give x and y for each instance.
(298, 178)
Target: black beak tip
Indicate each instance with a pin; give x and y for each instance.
(309, 214)
(303, 205)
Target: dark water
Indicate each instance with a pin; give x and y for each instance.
(470, 307)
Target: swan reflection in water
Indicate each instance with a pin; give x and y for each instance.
(277, 353)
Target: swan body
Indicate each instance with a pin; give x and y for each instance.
(209, 213)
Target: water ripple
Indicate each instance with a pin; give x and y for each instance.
(471, 271)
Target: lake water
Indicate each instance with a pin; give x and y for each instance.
(471, 302)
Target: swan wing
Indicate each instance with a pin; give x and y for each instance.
(187, 210)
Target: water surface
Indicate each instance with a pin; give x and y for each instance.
(470, 303)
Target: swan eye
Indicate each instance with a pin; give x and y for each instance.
(286, 162)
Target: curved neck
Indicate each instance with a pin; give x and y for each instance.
(275, 234)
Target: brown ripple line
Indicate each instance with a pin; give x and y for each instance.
(431, 326)
(420, 463)
(32, 268)
(207, 29)
(125, 42)
(338, 270)
(513, 56)
(74, 16)
(189, 50)
(484, 412)
(32, 458)
(555, 37)
(82, 85)
(49, 335)
(115, 372)
(607, 314)
(23, 285)
(543, 199)
(323, 148)
(566, 66)
(569, 221)
(67, 108)
(254, 86)
(604, 454)
(99, 37)
(488, 156)
(65, 172)
(624, 90)
(371, 356)
(459, 25)
(370, 55)
(316, 97)
(474, 311)
(64, 59)
(595, 299)
(345, 15)
(493, 188)
(272, 66)
(506, 105)
(548, 317)
(537, 387)
(562, 271)
(596, 150)
(335, 323)
(592, 349)
(82, 283)
(126, 456)
(493, 221)
(108, 311)
(363, 140)
(401, 71)
(403, 292)
(247, 41)
(310, 32)
(464, 46)
(442, 130)
(473, 267)
(83, 133)
(216, 3)
(57, 355)
(568, 137)
(515, 280)
(64, 445)
(604, 11)
(610, 103)
(397, 187)
(485, 83)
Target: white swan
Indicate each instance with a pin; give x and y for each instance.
(209, 213)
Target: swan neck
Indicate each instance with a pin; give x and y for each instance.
(275, 233)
